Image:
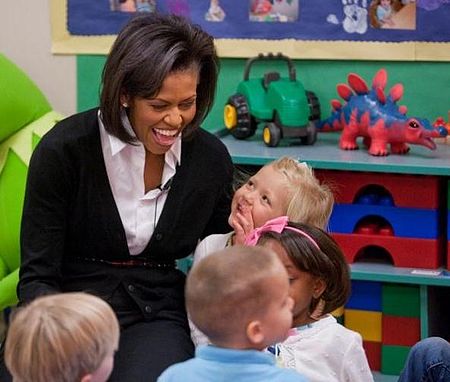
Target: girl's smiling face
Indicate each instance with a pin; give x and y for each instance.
(262, 198)
(159, 120)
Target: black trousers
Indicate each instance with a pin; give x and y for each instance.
(148, 348)
(148, 345)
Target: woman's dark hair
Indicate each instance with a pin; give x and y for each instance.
(147, 49)
(328, 264)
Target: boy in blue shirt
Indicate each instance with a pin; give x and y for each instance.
(238, 297)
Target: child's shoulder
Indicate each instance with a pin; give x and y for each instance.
(329, 321)
(179, 371)
(215, 242)
(289, 375)
(327, 329)
(211, 244)
(346, 333)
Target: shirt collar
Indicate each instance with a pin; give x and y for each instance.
(173, 156)
(116, 144)
(242, 356)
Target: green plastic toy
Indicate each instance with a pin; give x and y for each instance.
(282, 104)
(25, 116)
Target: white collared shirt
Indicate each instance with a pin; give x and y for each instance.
(139, 211)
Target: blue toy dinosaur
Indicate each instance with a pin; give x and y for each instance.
(369, 113)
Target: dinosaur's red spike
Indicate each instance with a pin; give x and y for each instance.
(380, 95)
(357, 84)
(336, 104)
(344, 91)
(403, 109)
(396, 92)
(380, 79)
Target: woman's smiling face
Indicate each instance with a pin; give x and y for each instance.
(159, 120)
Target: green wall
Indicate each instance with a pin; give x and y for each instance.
(426, 84)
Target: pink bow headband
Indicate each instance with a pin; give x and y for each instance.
(277, 225)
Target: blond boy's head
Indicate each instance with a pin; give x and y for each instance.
(310, 201)
(61, 338)
(231, 294)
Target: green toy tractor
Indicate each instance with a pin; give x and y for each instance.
(282, 104)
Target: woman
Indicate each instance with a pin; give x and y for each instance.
(115, 195)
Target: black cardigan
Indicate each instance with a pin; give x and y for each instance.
(69, 211)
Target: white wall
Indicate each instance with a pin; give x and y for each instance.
(25, 40)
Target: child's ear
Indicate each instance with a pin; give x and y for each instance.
(87, 378)
(255, 332)
(319, 287)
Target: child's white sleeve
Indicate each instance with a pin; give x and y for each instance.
(355, 365)
(197, 336)
(201, 251)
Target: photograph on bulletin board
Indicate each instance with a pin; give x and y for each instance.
(314, 29)
(390, 14)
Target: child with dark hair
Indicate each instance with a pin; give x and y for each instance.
(318, 346)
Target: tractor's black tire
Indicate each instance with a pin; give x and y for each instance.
(246, 125)
(271, 134)
(311, 136)
(314, 106)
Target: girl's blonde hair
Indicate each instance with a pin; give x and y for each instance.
(309, 201)
(60, 338)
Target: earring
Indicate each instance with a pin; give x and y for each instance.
(317, 313)
(125, 105)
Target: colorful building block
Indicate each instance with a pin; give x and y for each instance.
(373, 354)
(448, 255)
(393, 359)
(405, 222)
(402, 252)
(400, 300)
(396, 330)
(366, 323)
(448, 237)
(402, 188)
(448, 194)
(365, 295)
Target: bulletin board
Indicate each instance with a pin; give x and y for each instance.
(419, 30)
